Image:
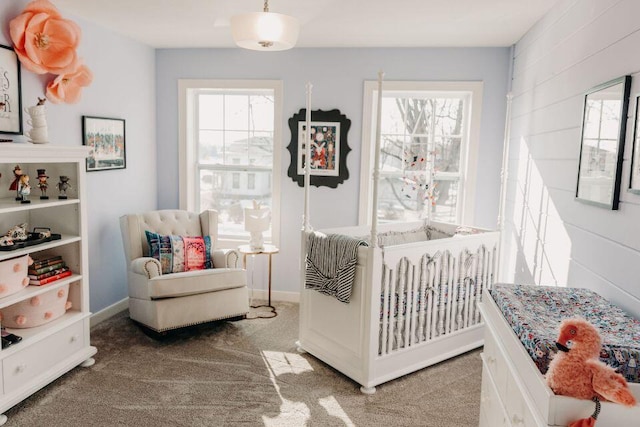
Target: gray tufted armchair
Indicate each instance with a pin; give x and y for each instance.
(168, 301)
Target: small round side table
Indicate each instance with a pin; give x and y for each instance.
(269, 250)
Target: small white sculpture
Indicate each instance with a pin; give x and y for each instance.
(257, 221)
(38, 122)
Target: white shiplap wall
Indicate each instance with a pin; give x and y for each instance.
(550, 238)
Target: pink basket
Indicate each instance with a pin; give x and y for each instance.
(37, 310)
(13, 275)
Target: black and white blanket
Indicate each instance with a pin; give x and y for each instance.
(331, 264)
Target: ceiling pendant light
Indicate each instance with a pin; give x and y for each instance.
(265, 30)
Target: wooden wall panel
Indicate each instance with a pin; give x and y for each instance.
(550, 237)
(582, 276)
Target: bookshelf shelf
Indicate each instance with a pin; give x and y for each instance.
(50, 350)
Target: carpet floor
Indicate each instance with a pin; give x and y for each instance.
(241, 373)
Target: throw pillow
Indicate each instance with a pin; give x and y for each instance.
(180, 253)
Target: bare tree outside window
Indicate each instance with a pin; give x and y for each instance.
(427, 130)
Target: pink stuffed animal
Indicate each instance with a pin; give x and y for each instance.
(578, 372)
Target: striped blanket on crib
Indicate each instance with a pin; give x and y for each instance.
(331, 264)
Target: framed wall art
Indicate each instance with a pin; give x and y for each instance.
(328, 147)
(604, 123)
(10, 93)
(634, 180)
(106, 137)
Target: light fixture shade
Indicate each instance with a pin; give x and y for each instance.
(265, 31)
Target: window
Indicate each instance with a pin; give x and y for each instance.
(230, 134)
(425, 126)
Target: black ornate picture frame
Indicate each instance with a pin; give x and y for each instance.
(10, 92)
(329, 148)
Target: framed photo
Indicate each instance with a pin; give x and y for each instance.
(106, 137)
(324, 138)
(10, 93)
(634, 181)
(328, 147)
(604, 124)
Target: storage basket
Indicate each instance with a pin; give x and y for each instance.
(37, 310)
(13, 275)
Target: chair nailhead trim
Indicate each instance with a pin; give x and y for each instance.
(146, 268)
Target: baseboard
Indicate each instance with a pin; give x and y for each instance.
(108, 312)
(275, 295)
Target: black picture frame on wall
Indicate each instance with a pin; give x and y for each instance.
(107, 139)
(604, 125)
(329, 149)
(634, 176)
(10, 92)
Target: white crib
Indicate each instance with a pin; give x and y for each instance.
(413, 305)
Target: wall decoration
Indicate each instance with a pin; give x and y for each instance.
(106, 137)
(634, 180)
(10, 94)
(604, 126)
(48, 44)
(328, 144)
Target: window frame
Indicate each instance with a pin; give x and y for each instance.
(187, 153)
(469, 153)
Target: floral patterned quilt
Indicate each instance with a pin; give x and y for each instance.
(535, 312)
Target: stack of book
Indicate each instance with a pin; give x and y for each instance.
(47, 270)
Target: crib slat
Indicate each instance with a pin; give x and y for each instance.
(423, 297)
(471, 293)
(485, 277)
(479, 286)
(444, 279)
(402, 283)
(451, 309)
(467, 279)
(462, 282)
(436, 293)
(385, 310)
(450, 286)
(429, 299)
(392, 310)
(410, 324)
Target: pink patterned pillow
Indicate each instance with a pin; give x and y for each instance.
(180, 253)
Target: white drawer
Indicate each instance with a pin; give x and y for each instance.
(23, 366)
(517, 409)
(495, 362)
(492, 412)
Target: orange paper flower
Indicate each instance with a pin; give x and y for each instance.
(68, 87)
(43, 40)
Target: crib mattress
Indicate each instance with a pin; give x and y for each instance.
(535, 312)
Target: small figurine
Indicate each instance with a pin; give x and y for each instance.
(24, 189)
(42, 184)
(17, 172)
(63, 186)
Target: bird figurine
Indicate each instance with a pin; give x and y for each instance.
(578, 372)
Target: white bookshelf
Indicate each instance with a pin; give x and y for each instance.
(48, 351)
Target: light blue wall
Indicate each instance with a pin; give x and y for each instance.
(123, 87)
(338, 77)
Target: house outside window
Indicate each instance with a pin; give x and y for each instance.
(230, 151)
(429, 138)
